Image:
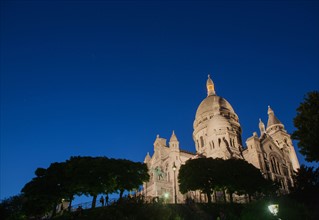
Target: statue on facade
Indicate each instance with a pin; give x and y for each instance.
(159, 173)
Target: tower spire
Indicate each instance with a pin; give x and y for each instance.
(173, 142)
(272, 119)
(210, 86)
(173, 137)
(261, 127)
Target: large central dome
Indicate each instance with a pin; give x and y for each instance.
(213, 104)
(216, 126)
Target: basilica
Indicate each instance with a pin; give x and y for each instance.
(217, 134)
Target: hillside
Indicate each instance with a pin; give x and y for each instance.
(288, 209)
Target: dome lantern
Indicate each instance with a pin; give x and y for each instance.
(210, 86)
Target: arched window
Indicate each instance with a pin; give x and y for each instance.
(285, 170)
(278, 167)
(275, 165)
(167, 172)
(201, 141)
(285, 140)
(260, 162)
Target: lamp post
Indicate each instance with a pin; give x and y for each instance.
(175, 195)
(166, 195)
(274, 209)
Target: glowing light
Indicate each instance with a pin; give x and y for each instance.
(274, 209)
(174, 167)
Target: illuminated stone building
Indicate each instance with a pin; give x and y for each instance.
(217, 134)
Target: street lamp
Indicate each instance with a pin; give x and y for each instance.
(274, 209)
(174, 169)
(166, 195)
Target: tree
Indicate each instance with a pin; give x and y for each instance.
(78, 176)
(306, 178)
(307, 124)
(200, 174)
(306, 188)
(46, 190)
(129, 175)
(233, 175)
(12, 207)
(244, 178)
(97, 176)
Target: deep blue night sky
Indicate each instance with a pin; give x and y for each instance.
(103, 78)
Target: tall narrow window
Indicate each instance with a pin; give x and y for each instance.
(201, 141)
(273, 165)
(278, 167)
(260, 162)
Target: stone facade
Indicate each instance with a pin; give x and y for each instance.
(163, 169)
(217, 134)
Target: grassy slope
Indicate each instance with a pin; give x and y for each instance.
(258, 210)
(152, 212)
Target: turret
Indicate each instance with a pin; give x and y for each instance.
(277, 132)
(173, 142)
(147, 158)
(261, 127)
(273, 122)
(253, 150)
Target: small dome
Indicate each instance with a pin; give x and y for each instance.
(214, 104)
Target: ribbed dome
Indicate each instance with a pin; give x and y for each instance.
(214, 104)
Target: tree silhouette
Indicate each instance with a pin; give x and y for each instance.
(233, 175)
(88, 175)
(244, 178)
(46, 190)
(12, 207)
(306, 188)
(307, 124)
(80, 175)
(202, 174)
(130, 175)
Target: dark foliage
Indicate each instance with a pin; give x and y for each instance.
(11, 208)
(234, 175)
(307, 124)
(77, 176)
(306, 189)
